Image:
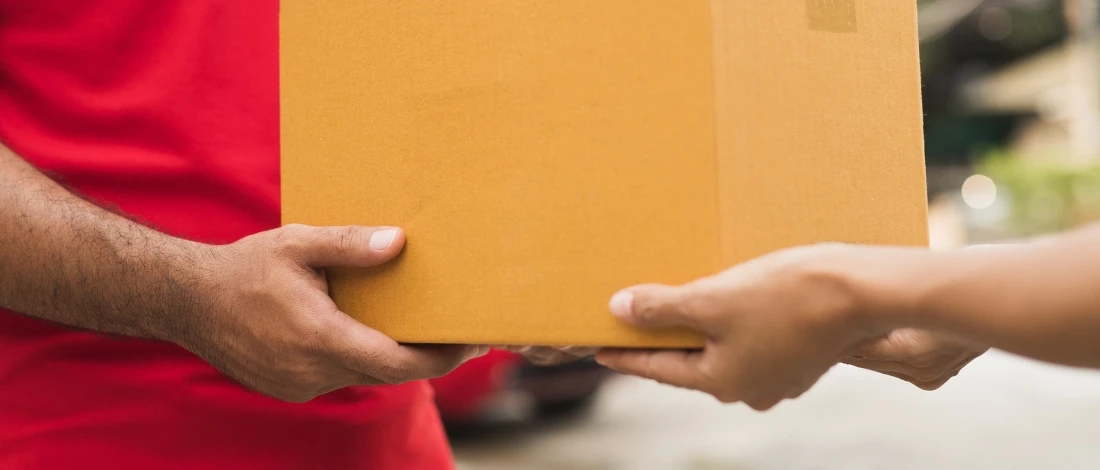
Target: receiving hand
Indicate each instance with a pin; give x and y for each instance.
(921, 358)
(774, 325)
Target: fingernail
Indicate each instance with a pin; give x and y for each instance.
(622, 305)
(382, 239)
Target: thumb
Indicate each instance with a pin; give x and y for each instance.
(348, 246)
(655, 306)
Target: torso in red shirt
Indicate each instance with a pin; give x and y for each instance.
(167, 110)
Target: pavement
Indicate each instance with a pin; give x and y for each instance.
(1001, 413)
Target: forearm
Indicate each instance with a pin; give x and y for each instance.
(1038, 300)
(66, 260)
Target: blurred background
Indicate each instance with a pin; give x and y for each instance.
(1012, 103)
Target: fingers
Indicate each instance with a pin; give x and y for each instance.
(884, 367)
(575, 351)
(676, 368)
(926, 386)
(373, 356)
(917, 357)
(658, 306)
(926, 379)
(430, 361)
(549, 356)
(348, 246)
(883, 349)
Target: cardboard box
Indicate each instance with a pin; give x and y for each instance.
(543, 155)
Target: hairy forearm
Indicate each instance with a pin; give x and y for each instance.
(1040, 300)
(66, 260)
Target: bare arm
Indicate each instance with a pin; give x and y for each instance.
(776, 324)
(257, 309)
(66, 260)
(1040, 300)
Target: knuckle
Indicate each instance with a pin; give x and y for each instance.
(368, 361)
(698, 300)
(288, 240)
(310, 335)
(345, 240)
(666, 303)
(441, 368)
(313, 340)
(646, 366)
(646, 308)
(394, 373)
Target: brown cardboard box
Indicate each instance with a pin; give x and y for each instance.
(542, 155)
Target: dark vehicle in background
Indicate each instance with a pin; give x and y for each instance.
(503, 388)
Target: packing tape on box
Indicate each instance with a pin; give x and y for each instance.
(834, 16)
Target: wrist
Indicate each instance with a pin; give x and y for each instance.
(890, 287)
(187, 289)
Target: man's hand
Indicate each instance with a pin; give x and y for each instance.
(774, 325)
(924, 359)
(270, 324)
(257, 309)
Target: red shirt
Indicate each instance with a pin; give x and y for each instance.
(167, 110)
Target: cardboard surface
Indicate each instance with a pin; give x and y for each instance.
(543, 155)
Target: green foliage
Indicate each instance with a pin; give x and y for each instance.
(1045, 195)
